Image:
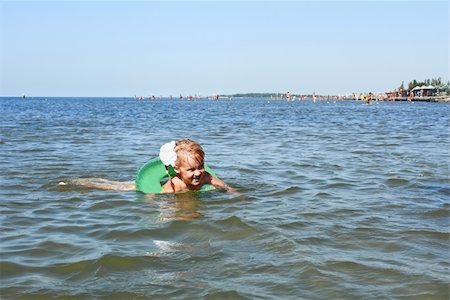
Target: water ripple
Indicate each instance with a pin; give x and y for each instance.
(335, 200)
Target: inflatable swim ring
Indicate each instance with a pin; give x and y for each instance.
(149, 176)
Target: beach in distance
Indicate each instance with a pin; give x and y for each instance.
(335, 200)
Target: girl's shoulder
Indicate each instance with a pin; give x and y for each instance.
(167, 188)
(174, 185)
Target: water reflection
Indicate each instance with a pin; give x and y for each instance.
(183, 206)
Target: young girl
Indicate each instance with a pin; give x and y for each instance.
(186, 157)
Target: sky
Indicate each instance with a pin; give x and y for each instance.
(162, 48)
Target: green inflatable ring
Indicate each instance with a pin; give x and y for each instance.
(149, 176)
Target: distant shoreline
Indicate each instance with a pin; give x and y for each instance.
(440, 99)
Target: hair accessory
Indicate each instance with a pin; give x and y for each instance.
(167, 154)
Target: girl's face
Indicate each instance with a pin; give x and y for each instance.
(191, 171)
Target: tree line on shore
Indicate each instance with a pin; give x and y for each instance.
(436, 82)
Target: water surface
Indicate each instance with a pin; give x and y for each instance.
(336, 200)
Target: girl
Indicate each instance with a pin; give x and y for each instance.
(186, 157)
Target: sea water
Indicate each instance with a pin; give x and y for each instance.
(335, 200)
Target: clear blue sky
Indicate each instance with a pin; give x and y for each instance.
(147, 48)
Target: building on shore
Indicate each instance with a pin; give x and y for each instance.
(425, 91)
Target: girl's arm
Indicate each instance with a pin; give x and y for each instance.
(220, 184)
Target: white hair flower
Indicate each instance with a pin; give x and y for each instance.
(167, 154)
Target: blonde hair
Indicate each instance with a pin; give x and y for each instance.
(188, 147)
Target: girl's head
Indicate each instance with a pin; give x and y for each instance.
(190, 166)
(188, 151)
